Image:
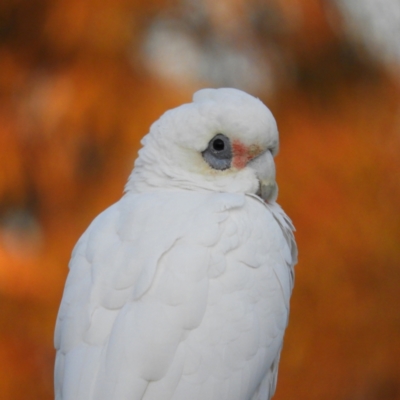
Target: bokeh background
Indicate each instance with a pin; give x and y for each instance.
(82, 80)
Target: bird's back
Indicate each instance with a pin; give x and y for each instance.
(196, 310)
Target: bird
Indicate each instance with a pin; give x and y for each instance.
(181, 289)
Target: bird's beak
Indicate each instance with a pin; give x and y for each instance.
(264, 166)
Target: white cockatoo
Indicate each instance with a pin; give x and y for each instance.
(181, 289)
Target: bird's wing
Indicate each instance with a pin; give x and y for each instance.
(288, 245)
(284, 272)
(235, 351)
(126, 305)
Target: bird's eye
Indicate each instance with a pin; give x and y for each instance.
(218, 154)
(218, 145)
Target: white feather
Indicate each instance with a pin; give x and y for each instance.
(178, 291)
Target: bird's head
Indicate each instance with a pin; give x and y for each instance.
(225, 140)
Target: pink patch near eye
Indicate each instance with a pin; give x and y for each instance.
(239, 154)
(242, 154)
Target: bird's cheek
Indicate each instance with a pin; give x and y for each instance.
(242, 154)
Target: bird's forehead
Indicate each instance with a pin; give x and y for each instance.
(243, 119)
(246, 123)
(250, 123)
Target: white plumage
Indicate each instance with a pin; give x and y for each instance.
(181, 289)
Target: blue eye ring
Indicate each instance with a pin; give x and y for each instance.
(218, 153)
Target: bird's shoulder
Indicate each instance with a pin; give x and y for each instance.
(117, 256)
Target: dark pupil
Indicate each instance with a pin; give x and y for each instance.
(218, 145)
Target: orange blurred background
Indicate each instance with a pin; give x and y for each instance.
(82, 80)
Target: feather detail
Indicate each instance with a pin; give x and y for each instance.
(196, 313)
(181, 289)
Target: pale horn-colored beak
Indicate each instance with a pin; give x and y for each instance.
(264, 166)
